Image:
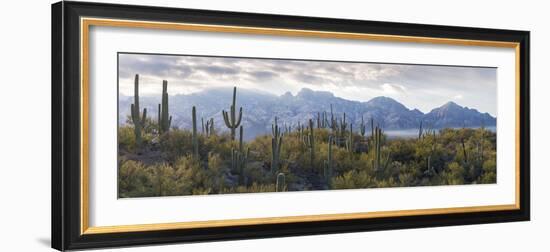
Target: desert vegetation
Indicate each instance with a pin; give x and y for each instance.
(320, 153)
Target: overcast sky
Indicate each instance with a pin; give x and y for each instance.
(416, 86)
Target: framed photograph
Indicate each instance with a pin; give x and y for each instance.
(181, 125)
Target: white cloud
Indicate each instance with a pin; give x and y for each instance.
(416, 86)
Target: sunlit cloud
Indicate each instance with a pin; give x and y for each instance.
(393, 89)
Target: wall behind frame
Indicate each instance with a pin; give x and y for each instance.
(25, 124)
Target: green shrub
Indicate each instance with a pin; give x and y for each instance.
(164, 164)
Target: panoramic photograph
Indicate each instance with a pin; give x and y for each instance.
(199, 125)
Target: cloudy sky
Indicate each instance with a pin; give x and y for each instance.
(416, 86)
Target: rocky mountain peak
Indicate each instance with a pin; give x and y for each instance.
(259, 109)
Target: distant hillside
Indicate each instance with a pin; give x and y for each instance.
(260, 109)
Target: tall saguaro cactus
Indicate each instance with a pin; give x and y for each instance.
(377, 149)
(239, 158)
(343, 125)
(429, 168)
(164, 119)
(325, 120)
(232, 121)
(420, 131)
(203, 131)
(310, 143)
(333, 122)
(300, 129)
(139, 122)
(349, 140)
(276, 143)
(372, 128)
(327, 168)
(481, 145)
(281, 183)
(362, 127)
(195, 139)
(379, 163)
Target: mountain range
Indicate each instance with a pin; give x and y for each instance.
(260, 109)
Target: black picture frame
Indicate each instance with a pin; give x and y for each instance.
(66, 155)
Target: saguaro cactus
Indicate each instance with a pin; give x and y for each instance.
(281, 184)
(209, 127)
(377, 161)
(333, 121)
(287, 128)
(310, 143)
(239, 158)
(300, 129)
(232, 121)
(362, 127)
(420, 131)
(327, 168)
(276, 143)
(377, 149)
(349, 140)
(164, 119)
(479, 145)
(481, 160)
(325, 120)
(139, 122)
(464, 151)
(195, 139)
(203, 130)
(343, 125)
(372, 128)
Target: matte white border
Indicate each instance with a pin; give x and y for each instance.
(107, 210)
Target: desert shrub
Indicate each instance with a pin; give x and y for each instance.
(456, 174)
(489, 174)
(126, 138)
(260, 148)
(191, 176)
(176, 143)
(353, 179)
(164, 165)
(254, 188)
(134, 180)
(163, 180)
(406, 179)
(218, 143)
